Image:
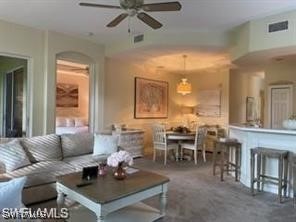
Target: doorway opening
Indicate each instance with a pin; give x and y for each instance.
(13, 97)
(72, 97)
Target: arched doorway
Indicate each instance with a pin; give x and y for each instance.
(74, 93)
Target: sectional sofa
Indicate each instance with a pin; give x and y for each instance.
(43, 158)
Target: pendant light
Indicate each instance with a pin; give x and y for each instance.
(184, 87)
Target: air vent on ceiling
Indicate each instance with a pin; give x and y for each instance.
(138, 38)
(278, 26)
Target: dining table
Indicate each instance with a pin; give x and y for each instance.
(180, 137)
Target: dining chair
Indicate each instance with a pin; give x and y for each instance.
(160, 141)
(198, 144)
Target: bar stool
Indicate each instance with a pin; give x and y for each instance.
(262, 153)
(294, 179)
(226, 150)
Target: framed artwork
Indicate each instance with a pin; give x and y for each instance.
(209, 103)
(151, 99)
(67, 95)
(250, 109)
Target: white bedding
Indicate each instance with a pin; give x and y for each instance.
(71, 130)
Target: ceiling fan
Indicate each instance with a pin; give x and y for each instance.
(135, 8)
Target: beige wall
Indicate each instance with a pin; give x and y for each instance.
(280, 72)
(91, 54)
(83, 98)
(242, 85)
(119, 96)
(40, 48)
(210, 79)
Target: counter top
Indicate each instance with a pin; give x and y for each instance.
(243, 127)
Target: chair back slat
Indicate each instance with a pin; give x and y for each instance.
(159, 134)
(201, 133)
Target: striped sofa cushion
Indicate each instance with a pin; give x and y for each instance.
(42, 148)
(13, 156)
(77, 144)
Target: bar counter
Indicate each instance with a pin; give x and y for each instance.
(251, 137)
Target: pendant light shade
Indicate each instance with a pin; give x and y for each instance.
(184, 87)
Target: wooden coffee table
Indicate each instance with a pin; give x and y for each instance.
(114, 200)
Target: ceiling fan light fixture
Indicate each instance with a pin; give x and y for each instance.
(135, 8)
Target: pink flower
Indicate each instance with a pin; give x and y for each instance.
(122, 156)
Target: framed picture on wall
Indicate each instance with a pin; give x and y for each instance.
(67, 95)
(209, 103)
(151, 99)
(250, 109)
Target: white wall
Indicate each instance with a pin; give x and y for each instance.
(41, 48)
(57, 43)
(242, 85)
(210, 79)
(280, 72)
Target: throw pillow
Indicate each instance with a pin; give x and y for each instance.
(13, 156)
(11, 193)
(105, 144)
(42, 148)
(77, 144)
(70, 122)
(79, 122)
(61, 122)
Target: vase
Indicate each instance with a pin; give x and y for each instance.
(119, 172)
(289, 124)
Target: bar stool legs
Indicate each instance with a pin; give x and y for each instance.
(224, 163)
(252, 171)
(261, 177)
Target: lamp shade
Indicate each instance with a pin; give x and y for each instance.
(187, 110)
(184, 87)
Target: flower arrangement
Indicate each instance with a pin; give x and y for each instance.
(119, 158)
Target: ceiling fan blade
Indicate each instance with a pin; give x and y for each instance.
(98, 5)
(164, 6)
(117, 20)
(153, 23)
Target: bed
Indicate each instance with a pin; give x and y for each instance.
(69, 125)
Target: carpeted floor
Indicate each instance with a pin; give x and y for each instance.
(195, 195)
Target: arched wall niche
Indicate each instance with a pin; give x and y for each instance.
(78, 57)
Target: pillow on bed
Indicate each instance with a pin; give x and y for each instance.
(61, 121)
(79, 122)
(70, 122)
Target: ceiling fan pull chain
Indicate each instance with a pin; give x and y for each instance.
(129, 25)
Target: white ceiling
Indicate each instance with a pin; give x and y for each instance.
(201, 15)
(170, 59)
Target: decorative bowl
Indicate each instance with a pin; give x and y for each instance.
(289, 124)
